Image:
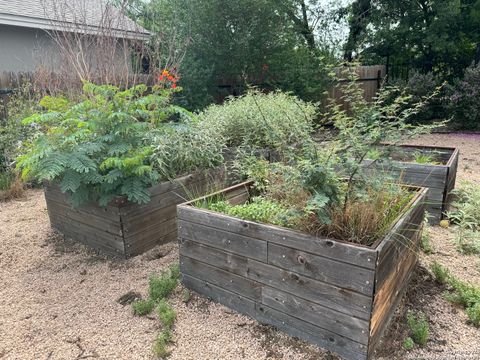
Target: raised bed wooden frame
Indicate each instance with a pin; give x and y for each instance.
(337, 295)
(440, 179)
(125, 229)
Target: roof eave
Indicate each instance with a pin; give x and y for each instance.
(49, 25)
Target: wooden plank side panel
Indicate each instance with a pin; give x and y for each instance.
(388, 297)
(53, 192)
(346, 326)
(340, 251)
(282, 321)
(108, 243)
(221, 278)
(327, 295)
(86, 218)
(337, 273)
(224, 240)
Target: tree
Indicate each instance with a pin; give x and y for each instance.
(429, 35)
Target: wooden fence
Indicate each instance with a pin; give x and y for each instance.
(370, 79)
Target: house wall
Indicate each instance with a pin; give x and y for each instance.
(20, 48)
(25, 49)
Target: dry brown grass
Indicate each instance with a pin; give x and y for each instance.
(365, 221)
(15, 191)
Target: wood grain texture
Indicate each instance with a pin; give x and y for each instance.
(336, 295)
(125, 229)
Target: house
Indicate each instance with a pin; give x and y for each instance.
(52, 33)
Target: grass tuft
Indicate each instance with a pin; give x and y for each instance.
(161, 286)
(166, 314)
(142, 307)
(408, 343)
(441, 274)
(11, 186)
(419, 327)
(160, 347)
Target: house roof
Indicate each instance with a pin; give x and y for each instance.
(85, 16)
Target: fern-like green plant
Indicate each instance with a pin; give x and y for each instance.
(104, 146)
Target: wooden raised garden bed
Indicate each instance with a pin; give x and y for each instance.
(126, 229)
(438, 177)
(337, 295)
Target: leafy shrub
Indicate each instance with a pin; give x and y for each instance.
(166, 314)
(113, 143)
(161, 286)
(142, 307)
(20, 105)
(419, 87)
(273, 121)
(419, 327)
(465, 99)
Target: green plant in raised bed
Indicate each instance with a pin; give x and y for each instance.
(257, 121)
(419, 327)
(116, 143)
(421, 158)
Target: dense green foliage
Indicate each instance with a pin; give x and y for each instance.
(161, 286)
(269, 43)
(142, 307)
(115, 143)
(258, 121)
(438, 35)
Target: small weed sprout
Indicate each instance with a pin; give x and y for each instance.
(142, 307)
(425, 244)
(186, 296)
(408, 344)
(160, 347)
(162, 286)
(166, 314)
(419, 327)
(441, 274)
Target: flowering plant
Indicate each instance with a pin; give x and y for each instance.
(169, 78)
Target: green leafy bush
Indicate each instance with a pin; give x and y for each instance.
(142, 307)
(273, 121)
(113, 143)
(419, 327)
(21, 104)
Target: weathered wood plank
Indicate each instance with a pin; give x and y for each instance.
(224, 260)
(390, 293)
(216, 276)
(228, 241)
(89, 219)
(340, 274)
(326, 339)
(138, 248)
(344, 325)
(348, 253)
(267, 315)
(336, 298)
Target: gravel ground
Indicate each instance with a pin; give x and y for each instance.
(58, 300)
